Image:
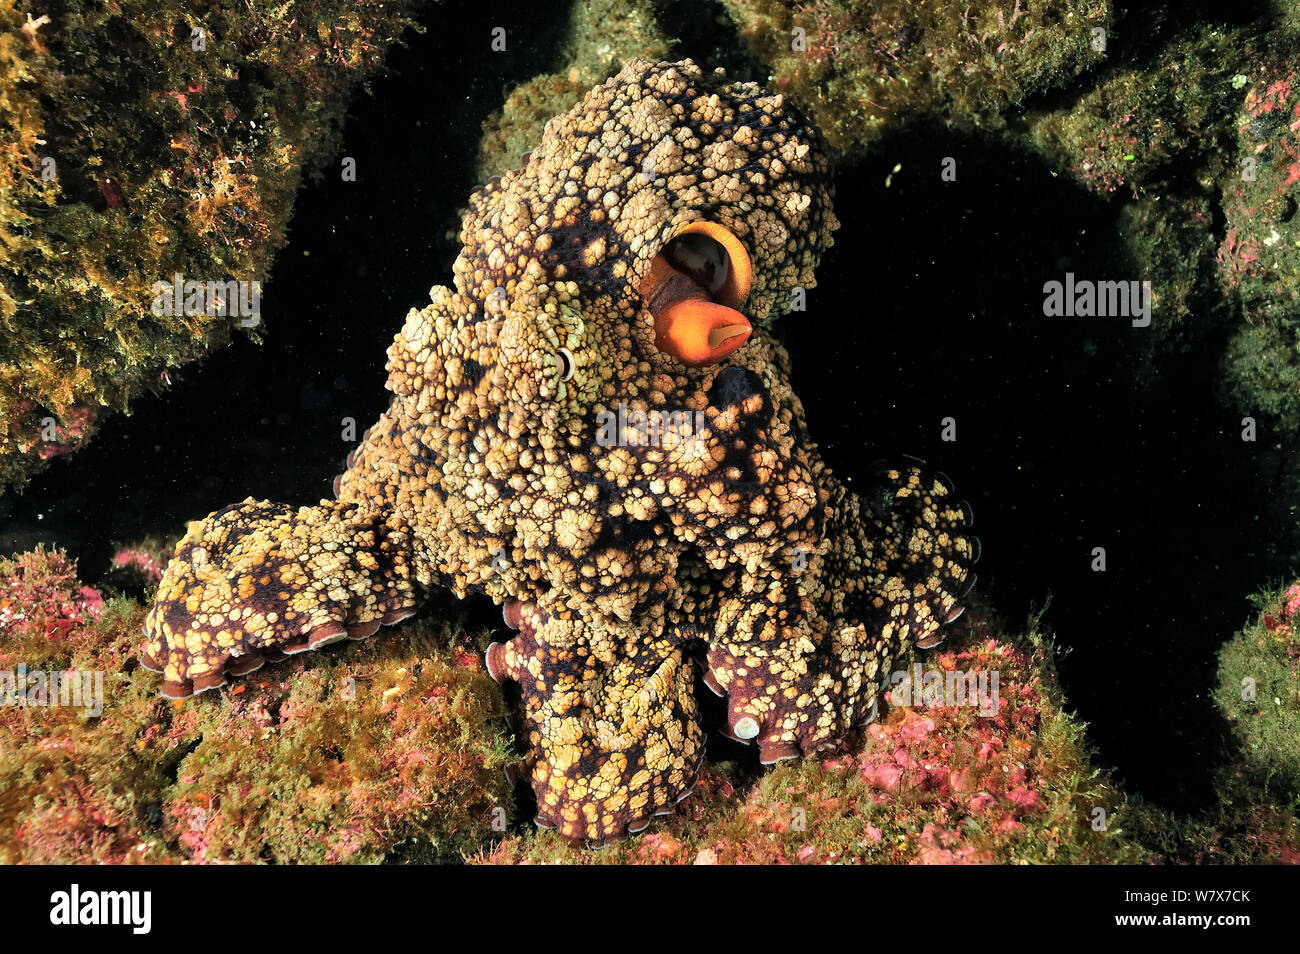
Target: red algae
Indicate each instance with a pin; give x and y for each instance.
(387, 749)
(930, 784)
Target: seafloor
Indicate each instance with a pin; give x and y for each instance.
(1150, 711)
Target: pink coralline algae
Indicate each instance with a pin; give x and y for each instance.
(1280, 624)
(59, 437)
(960, 764)
(40, 594)
(393, 751)
(148, 565)
(930, 784)
(1255, 256)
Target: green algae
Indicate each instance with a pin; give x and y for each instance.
(1142, 126)
(1169, 241)
(353, 760)
(1159, 129)
(1286, 16)
(1259, 691)
(1259, 257)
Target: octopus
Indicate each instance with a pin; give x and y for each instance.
(595, 428)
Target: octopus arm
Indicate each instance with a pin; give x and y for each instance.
(613, 731)
(258, 580)
(803, 663)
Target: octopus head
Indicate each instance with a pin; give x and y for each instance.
(608, 335)
(676, 208)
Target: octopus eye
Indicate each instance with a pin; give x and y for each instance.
(567, 364)
(695, 285)
(715, 259)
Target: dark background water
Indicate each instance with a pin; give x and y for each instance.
(929, 306)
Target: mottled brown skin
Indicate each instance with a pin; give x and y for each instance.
(486, 475)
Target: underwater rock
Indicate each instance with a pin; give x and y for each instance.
(1168, 240)
(1259, 257)
(859, 66)
(942, 779)
(1162, 132)
(1139, 127)
(395, 751)
(601, 37)
(150, 142)
(1259, 690)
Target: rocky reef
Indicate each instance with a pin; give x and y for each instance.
(941, 780)
(145, 141)
(1259, 257)
(395, 750)
(1259, 691)
(146, 155)
(861, 66)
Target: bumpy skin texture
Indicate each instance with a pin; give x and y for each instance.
(491, 472)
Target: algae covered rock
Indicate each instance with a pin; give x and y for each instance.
(1141, 125)
(1259, 256)
(975, 762)
(1168, 240)
(147, 140)
(391, 749)
(861, 65)
(1259, 689)
(601, 37)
